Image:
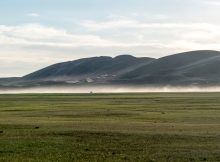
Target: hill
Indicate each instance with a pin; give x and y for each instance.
(188, 68)
(195, 67)
(87, 70)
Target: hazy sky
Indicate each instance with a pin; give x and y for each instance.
(37, 33)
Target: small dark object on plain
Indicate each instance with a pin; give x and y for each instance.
(204, 159)
(87, 149)
(1, 132)
(163, 113)
(113, 153)
(37, 127)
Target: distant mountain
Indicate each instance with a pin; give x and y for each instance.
(87, 70)
(90, 67)
(4, 82)
(195, 67)
(188, 68)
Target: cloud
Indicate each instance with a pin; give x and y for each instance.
(33, 14)
(212, 2)
(123, 33)
(135, 24)
(36, 34)
(33, 46)
(25, 48)
(162, 34)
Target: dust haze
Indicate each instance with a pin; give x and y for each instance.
(110, 89)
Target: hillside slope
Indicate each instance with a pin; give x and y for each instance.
(195, 67)
(95, 69)
(188, 68)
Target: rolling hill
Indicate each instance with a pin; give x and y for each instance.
(188, 68)
(89, 67)
(195, 67)
(87, 70)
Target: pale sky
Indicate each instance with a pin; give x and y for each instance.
(38, 33)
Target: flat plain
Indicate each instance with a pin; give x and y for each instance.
(110, 127)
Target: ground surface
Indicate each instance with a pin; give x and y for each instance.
(110, 127)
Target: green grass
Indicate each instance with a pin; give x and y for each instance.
(110, 127)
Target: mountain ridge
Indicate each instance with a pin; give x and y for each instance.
(187, 68)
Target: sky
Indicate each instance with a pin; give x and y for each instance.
(38, 33)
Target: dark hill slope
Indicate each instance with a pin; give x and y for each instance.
(193, 67)
(89, 67)
(188, 68)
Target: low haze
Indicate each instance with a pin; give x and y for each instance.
(37, 33)
(110, 89)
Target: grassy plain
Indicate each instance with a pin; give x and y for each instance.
(110, 127)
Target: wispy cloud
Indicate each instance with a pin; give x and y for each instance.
(33, 14)
(132, 33)
(36, 34)
(212, 2)
(161, 34)
(135, 24)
